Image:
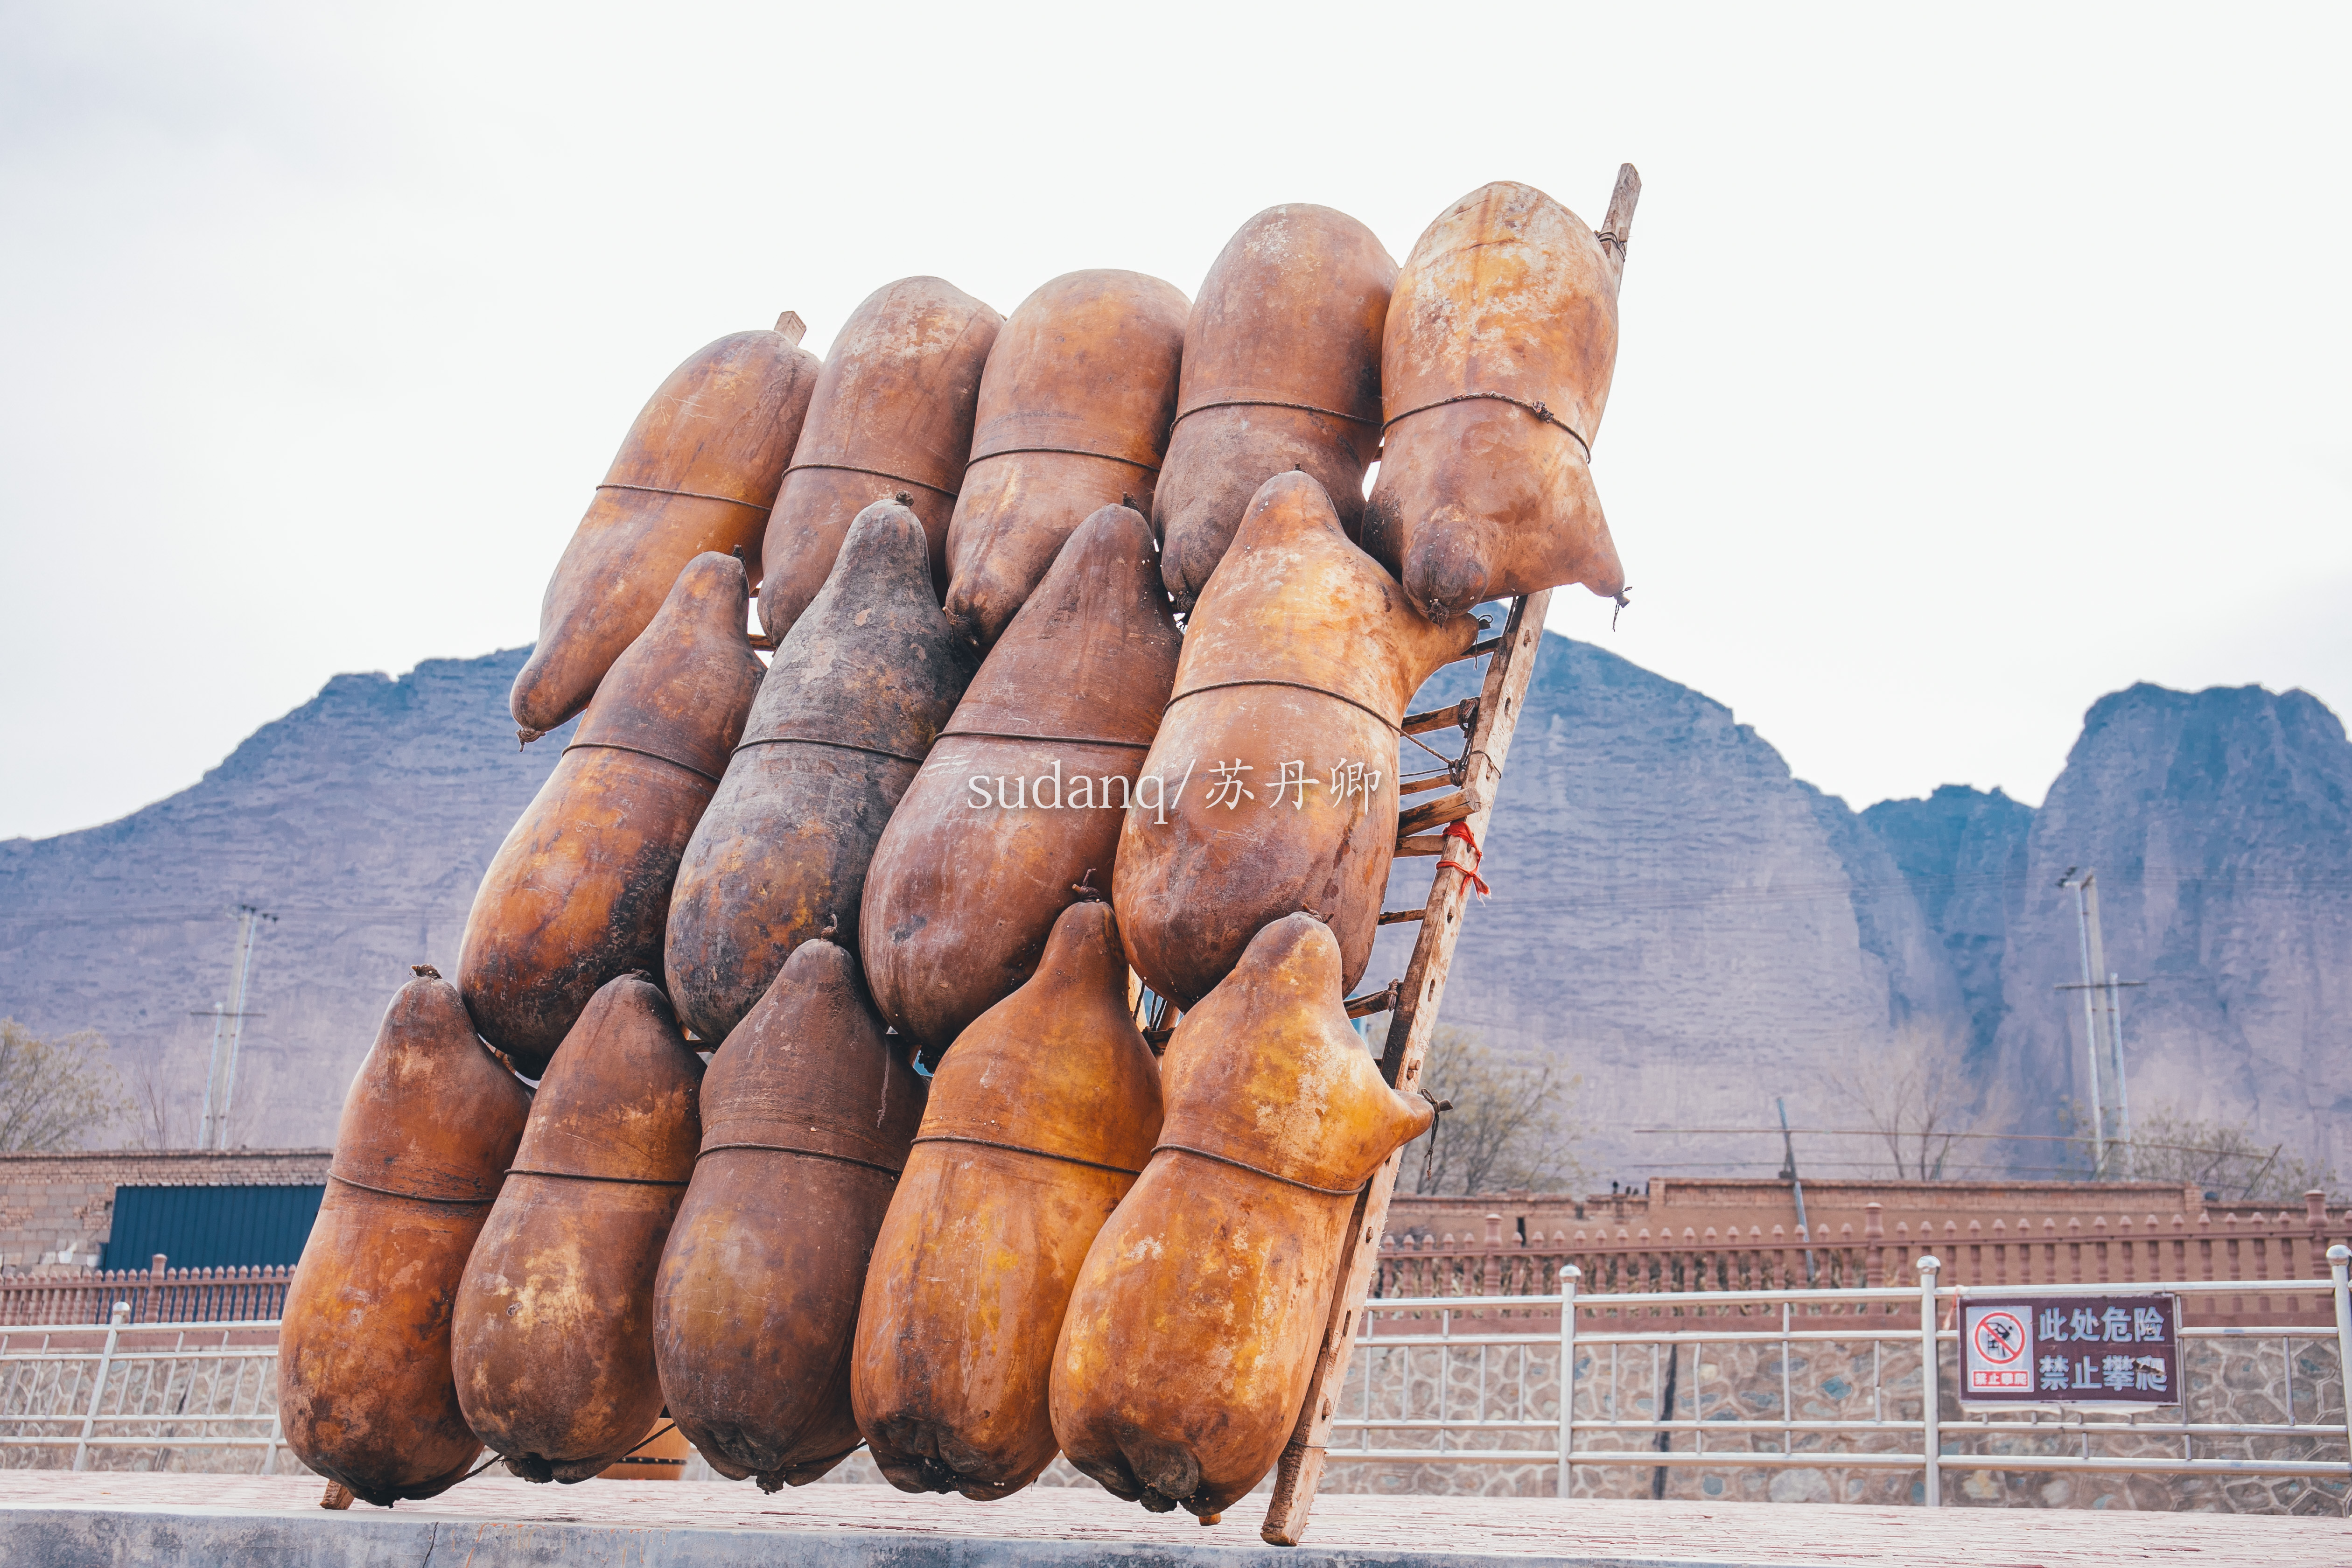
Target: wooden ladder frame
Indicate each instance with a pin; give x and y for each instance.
(1412, 1002)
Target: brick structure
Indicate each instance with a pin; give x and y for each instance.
(1698, 1203)
(57, 1210)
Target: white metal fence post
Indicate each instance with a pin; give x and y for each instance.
(1568, 1278)
(114, 1322)
(1931, 1383)
(2340, 1266)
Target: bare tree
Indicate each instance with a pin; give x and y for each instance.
(1911, 1094)
(157, 1120)
(1508, 1126)
(55, 1094)
(2227, 1159)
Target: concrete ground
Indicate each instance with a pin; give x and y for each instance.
(50, 1518)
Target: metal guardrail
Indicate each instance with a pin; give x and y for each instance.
(154, 1295)
(1912, 1318)
(128, 1387)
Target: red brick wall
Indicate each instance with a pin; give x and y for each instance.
(1697, 1203)
(63, 1204)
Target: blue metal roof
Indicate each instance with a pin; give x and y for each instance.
(211, 1227)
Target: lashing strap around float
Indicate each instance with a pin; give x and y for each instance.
(873, 473)
(692, 495)
(979, 457)
(1386, 721)
(636, 750)
(1043, 739)
(335, 1175)
(836, 745)
(1270, 1175)
(577, 1177)
(1023, 1148)
(1267, 403)
(1540, 409)
(891, 1171)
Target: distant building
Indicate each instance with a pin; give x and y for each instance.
(58, 1211)
(222, 1225)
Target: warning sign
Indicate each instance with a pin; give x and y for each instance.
(2116, 1351)
(2002, 1347)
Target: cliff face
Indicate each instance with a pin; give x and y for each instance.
(1676, 918)
(1695, 932)
(363, 820)
(2219, 823)
(1962, 856)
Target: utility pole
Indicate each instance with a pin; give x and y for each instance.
(237, 1019)
(212, 1075)
(1788, 1174)
(2114, 992)
(229, 1031)
(2102, 991)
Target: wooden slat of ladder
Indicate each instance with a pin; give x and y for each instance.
(1301, 1468)
(1514, 665)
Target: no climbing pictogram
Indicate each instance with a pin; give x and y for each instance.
(2094, 1351)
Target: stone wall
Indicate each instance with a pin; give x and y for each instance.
(57, 1209)
(2243, 1382)
(2234, 1381)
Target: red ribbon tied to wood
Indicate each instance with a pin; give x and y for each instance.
(1462, 830)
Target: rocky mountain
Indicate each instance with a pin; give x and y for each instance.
(2220, 825)
(1961, 856)
(362, 821)
(1695, 932)
(1676, 918)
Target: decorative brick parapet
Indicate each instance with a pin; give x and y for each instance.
(57, 1209)
(1695, 1202)
(2121, 1249)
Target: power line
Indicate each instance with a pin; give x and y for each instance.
(1628, 894)
(1877, 1132)
(1562, 892)
(1875, 1167)
(100, 915)
(1561, 895)
(1931, 1137)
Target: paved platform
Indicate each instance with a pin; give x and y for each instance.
(53, 1520)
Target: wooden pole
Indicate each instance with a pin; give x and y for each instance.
(1617, 228)
(1300, 1470)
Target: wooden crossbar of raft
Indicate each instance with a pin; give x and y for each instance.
(1490, 720)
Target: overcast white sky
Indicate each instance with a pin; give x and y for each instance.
(1976, 361)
